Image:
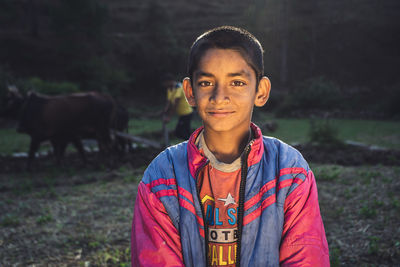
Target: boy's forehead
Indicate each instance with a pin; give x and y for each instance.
(243, 72)
(227, 61)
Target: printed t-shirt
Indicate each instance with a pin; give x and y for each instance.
(219, 194)
(183, 107)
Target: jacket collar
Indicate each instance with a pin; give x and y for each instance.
(196, 159)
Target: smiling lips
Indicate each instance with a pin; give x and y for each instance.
(220, 113)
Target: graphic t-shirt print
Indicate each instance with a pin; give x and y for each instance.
(219, 194)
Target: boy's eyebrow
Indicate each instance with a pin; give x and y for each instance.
(202, 73)
(240, 73)
(232, 74)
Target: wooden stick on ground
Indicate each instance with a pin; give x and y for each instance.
(138, 139)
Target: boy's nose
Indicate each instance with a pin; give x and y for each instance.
(220, 95)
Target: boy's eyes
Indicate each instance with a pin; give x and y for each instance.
(208, 83)
(204, 83)
(238, 83)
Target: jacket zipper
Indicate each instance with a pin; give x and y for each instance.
(241, 203)
(241, 199)
(202, 211)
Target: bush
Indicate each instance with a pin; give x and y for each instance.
(323, 133)
(275, 99)
(389, 102)
(313, 94)
(96, 75)
(50, 88)
(6, 78)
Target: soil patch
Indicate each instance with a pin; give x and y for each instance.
(345, 155)
(95, 161)
(349, 155)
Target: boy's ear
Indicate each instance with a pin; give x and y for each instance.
(188, 89)
(262, 95)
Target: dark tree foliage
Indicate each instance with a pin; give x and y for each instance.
(156, 51)
(80, 43)
(124, 46)
(353, 42)
(79, 19)
(8, 11)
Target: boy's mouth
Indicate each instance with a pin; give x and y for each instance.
(220, 113)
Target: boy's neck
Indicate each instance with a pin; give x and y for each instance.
(227, 146)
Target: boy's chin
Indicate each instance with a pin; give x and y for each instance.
(221, 128)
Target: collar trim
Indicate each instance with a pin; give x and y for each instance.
(196, 158)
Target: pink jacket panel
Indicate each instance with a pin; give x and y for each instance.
(155, 241)
(303, 237)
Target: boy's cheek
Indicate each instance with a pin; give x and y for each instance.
(199, 96)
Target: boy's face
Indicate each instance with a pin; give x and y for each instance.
(224, 90)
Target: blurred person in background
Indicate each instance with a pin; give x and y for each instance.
(177, 104)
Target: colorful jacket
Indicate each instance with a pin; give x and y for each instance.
(279, 221)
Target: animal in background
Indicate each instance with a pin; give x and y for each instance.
(61, 119)
(120, 122)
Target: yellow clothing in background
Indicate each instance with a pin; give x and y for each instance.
(183, 107)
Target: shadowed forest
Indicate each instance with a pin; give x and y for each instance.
(333, 66)
(124, 47)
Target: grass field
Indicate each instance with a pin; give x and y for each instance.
(371, 132)
(378, 133)
(12, 142)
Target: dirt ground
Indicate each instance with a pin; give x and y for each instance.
(349, 155)
(78, 215)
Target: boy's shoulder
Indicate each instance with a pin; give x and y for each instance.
(271, 141)
(163, 165)
(284, 153)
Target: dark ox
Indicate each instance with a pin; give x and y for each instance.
(120, 123)
(63, 119)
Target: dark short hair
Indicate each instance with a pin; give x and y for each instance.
(228, 37)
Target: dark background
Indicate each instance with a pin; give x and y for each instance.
(338, 56)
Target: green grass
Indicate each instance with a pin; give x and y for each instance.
(43, 219)
(140, 126)
(114, 257)
(292, 130)
(10, 220)
(147, 125)
(373, 246)
(380, 133)
(328, 172)
(371, 132)
(11, 141)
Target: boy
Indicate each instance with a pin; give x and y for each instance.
(228, 196)
(176, 102)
